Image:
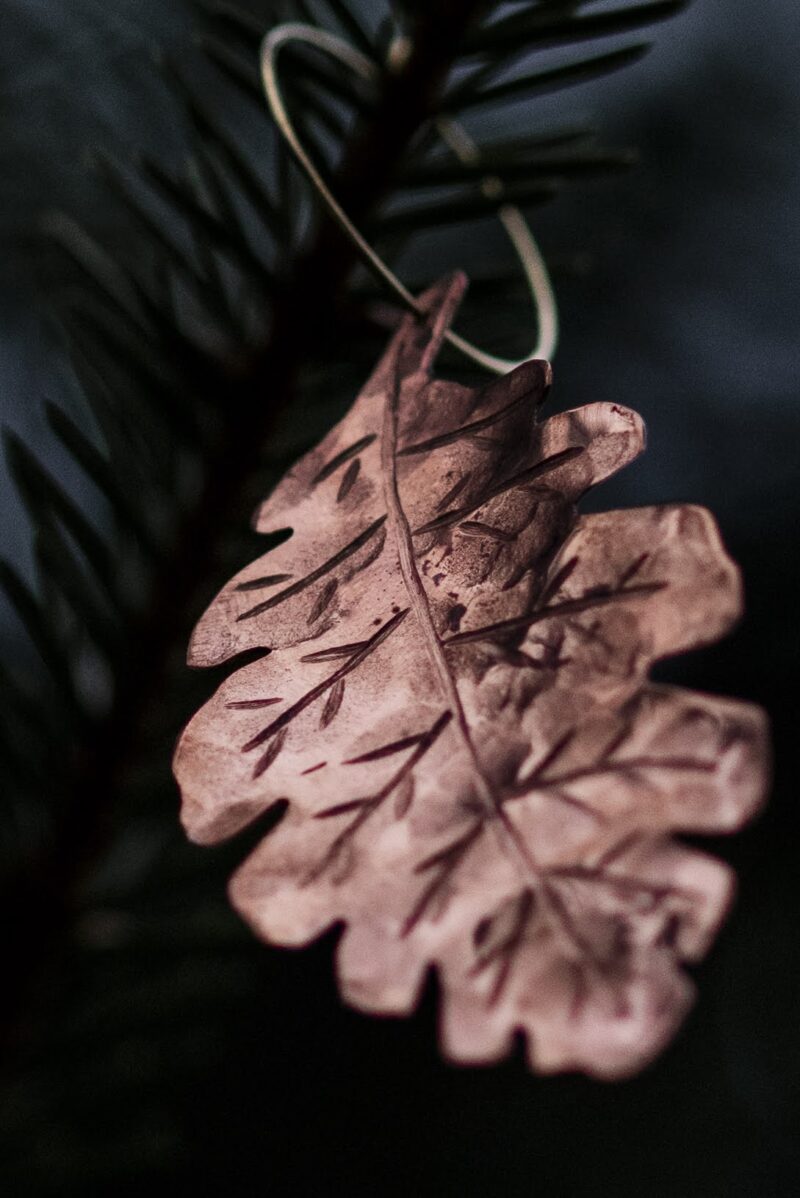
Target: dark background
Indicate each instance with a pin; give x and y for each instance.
(175, 1050)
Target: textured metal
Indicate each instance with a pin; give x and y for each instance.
(456, 706)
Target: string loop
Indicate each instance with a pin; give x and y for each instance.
(465, 150)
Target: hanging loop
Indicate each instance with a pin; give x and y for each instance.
(461, 145)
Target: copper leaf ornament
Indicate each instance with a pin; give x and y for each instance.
(456, 705)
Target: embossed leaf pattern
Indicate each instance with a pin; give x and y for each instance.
(455, 703)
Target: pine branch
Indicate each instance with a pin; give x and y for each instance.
(46, 897)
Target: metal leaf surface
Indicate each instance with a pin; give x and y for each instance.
(455, 702)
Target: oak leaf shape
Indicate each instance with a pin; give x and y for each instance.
(455, 704)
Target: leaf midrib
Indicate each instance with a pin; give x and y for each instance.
(494, 813)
